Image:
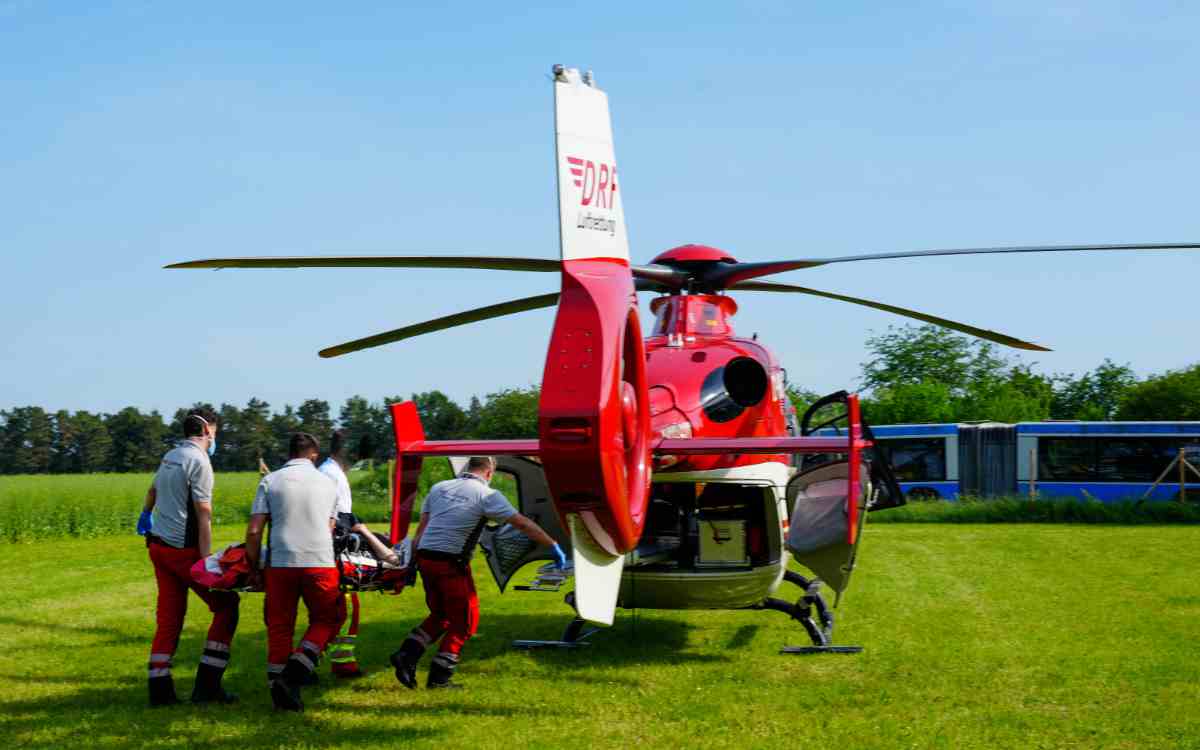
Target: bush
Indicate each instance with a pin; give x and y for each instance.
(1042, 510)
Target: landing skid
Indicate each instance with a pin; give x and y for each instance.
(802, 611)
(575, 635)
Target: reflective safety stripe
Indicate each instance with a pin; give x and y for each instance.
(310, 647)
(341, 657)
(304, 660)
(162, 672)
(216, 646)
(420, 637)
(446, 659)
(161, 658)
(344, 639)
(213, 661)
(273, 672)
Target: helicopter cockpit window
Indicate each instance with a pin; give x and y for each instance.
(706, 319)
(662, 320)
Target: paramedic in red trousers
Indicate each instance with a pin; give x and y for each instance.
(177, 523)
(342, 660)
(300, 503)
(452, 517)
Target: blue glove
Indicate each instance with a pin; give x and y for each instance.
(145, 523)
(560, 558)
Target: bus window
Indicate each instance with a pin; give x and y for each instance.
(1067, 459)
(1110, 459)
(1128, 460)
(917, 459)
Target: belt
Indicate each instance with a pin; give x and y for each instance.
(152, 539)
(433, 554)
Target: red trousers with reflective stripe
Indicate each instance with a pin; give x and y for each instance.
(318, 587)
(453, 603)
(173, 571)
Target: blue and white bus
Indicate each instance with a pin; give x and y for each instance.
(1108, 461)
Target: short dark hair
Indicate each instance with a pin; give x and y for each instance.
(337, 441)
(481, 463)
(302, 444)
(197, 421)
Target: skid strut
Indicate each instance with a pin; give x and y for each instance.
(574, 636)
(802, 611)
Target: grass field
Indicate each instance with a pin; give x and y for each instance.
(989, 636)
(36, 507)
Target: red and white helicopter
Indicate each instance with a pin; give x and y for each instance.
(668, 462)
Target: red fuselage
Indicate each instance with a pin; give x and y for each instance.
(705, 382)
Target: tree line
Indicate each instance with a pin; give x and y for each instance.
(914, 374)
(926, 374)
(34, 440)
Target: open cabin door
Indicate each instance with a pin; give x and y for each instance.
(819, 535)
(506, 549)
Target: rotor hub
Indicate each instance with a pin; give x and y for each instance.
(685, 255)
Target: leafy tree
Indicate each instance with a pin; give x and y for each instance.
(282, 427)
(91, 445)
(27, 441)
(928, 353)
(255, 438)
(229, 440)
(1017, 395)
(363, 423)
(909, 403)
(1094, 395)
(510, 413)
(1170, 396)
(314, 418)
(81, 443)
(139, 440)
(442, 418)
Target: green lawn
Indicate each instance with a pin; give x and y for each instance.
(976, 636)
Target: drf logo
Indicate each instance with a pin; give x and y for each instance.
(597, 182)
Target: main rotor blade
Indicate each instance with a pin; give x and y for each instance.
(668, 278)
(450, 321)
(485, 262)
(724, 276)
(983, 333)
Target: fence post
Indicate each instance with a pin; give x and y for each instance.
(1033, 467)
(1182, 476)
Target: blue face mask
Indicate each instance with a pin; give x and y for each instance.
(212, 446)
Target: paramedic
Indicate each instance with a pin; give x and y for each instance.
(452, 517)
(300, 503)
(177, 523)
(341, 657)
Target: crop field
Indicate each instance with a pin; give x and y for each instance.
(88, 505)
(976, 636)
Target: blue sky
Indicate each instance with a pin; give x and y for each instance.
(137, 134)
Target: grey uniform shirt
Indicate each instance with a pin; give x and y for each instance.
(455, 508)
(184, 476)
(300, 501)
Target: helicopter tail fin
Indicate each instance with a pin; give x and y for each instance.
(593, 416)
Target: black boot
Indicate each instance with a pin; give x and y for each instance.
(441, 671)
(208, 686)
(162, 691)
(285, 691)
(405, 661)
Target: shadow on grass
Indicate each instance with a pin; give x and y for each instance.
(115, 717)
(108, 636)
(631, 641)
